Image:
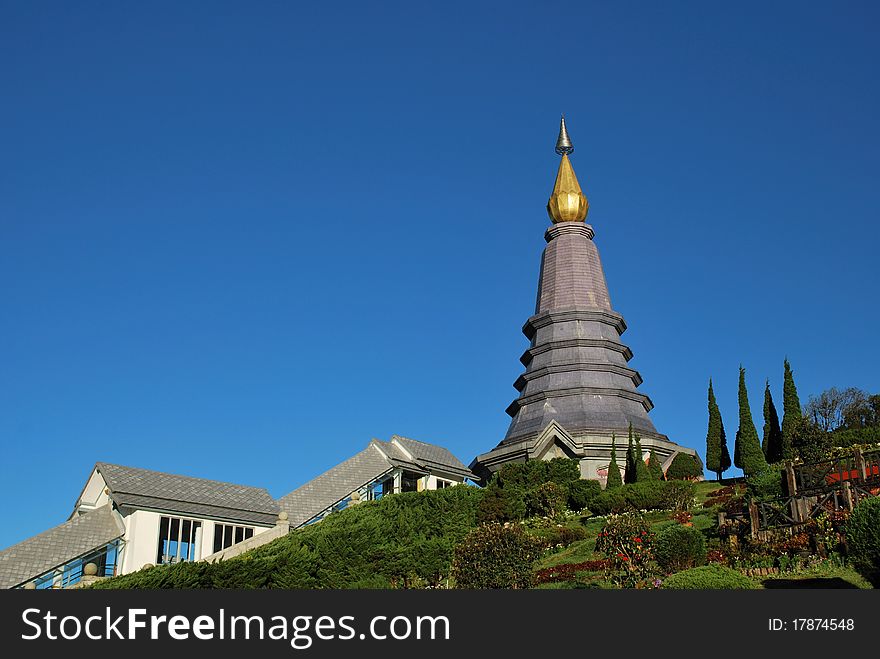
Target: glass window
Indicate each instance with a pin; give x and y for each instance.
(226, 535)
(409, 482)
(178, 540)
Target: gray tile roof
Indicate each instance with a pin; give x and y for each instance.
(334, 485)
(434, 457)
(141, 488)
(397, 456)
(379, 457)
(74, 538)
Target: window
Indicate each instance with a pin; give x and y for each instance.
(409, 482)
(442, 484)
(179, 540)
(226, 535)
(72, 572)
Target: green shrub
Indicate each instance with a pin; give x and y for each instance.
(559, 536)
(534, 487)
(649, 495)
(684, 467)
(581, 493)
(563, 471)
(502, 505)
(678, 547)
(854, 436)
(709, 577)
(546, 500)
(495, 556)
(626, 542)
(766, 484)
(405, 540)
(863, 539)
(523, 475)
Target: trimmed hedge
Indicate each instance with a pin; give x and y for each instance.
(863, 539)
(649, 495)
(400, 541)
(684, 467)
(535, 488)
(709, 577)
(547, 500)
(581, 493)
(678, 547)
(495, 556)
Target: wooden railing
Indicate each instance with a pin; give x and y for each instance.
(830, 485)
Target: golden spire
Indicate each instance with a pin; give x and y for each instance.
(567, 202)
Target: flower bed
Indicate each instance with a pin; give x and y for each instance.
(568, 571)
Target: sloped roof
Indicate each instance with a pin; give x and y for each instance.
(59, 545)
(433, 456)
(397, 456)
(334, 485)
(131, 487)
(363, 468)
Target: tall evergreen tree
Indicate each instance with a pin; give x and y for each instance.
(630, 473)
(642, 472)
(791, 413)
(613, 480)
(748, 447)
(772, 443)
(655, 467)
(717, 454)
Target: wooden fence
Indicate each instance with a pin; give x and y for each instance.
(830, 485)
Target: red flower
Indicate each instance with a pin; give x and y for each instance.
(638, 539)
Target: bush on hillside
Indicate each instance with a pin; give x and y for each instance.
(766, 484)
(532, 488)
(547, 500)
(560, 536)
(563, 471)
(502, 505)
(855, 436)
(532, 473)
(709, 577)
(650, 495)
(626, 541)
(863, 539)
(581, 493)
(678, 547)
(684, 467)
(406, 540)
(495, 556)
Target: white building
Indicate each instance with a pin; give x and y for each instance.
(126, 518)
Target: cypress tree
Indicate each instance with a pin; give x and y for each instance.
(772, 444)
(655, 467)
(748, 447)
(791, 413)
(630, 474)
(642, 472)
(717, 455)
(613, 479)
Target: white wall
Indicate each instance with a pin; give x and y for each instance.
(432, 480)
(142, 538)
(94, 494)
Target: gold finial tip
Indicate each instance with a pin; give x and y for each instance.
(563, 142)
(567, 202)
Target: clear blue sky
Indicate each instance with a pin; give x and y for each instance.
(238, 240)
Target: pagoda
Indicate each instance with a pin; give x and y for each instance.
(577, 390)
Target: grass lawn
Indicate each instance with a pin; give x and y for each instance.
(822, 576)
